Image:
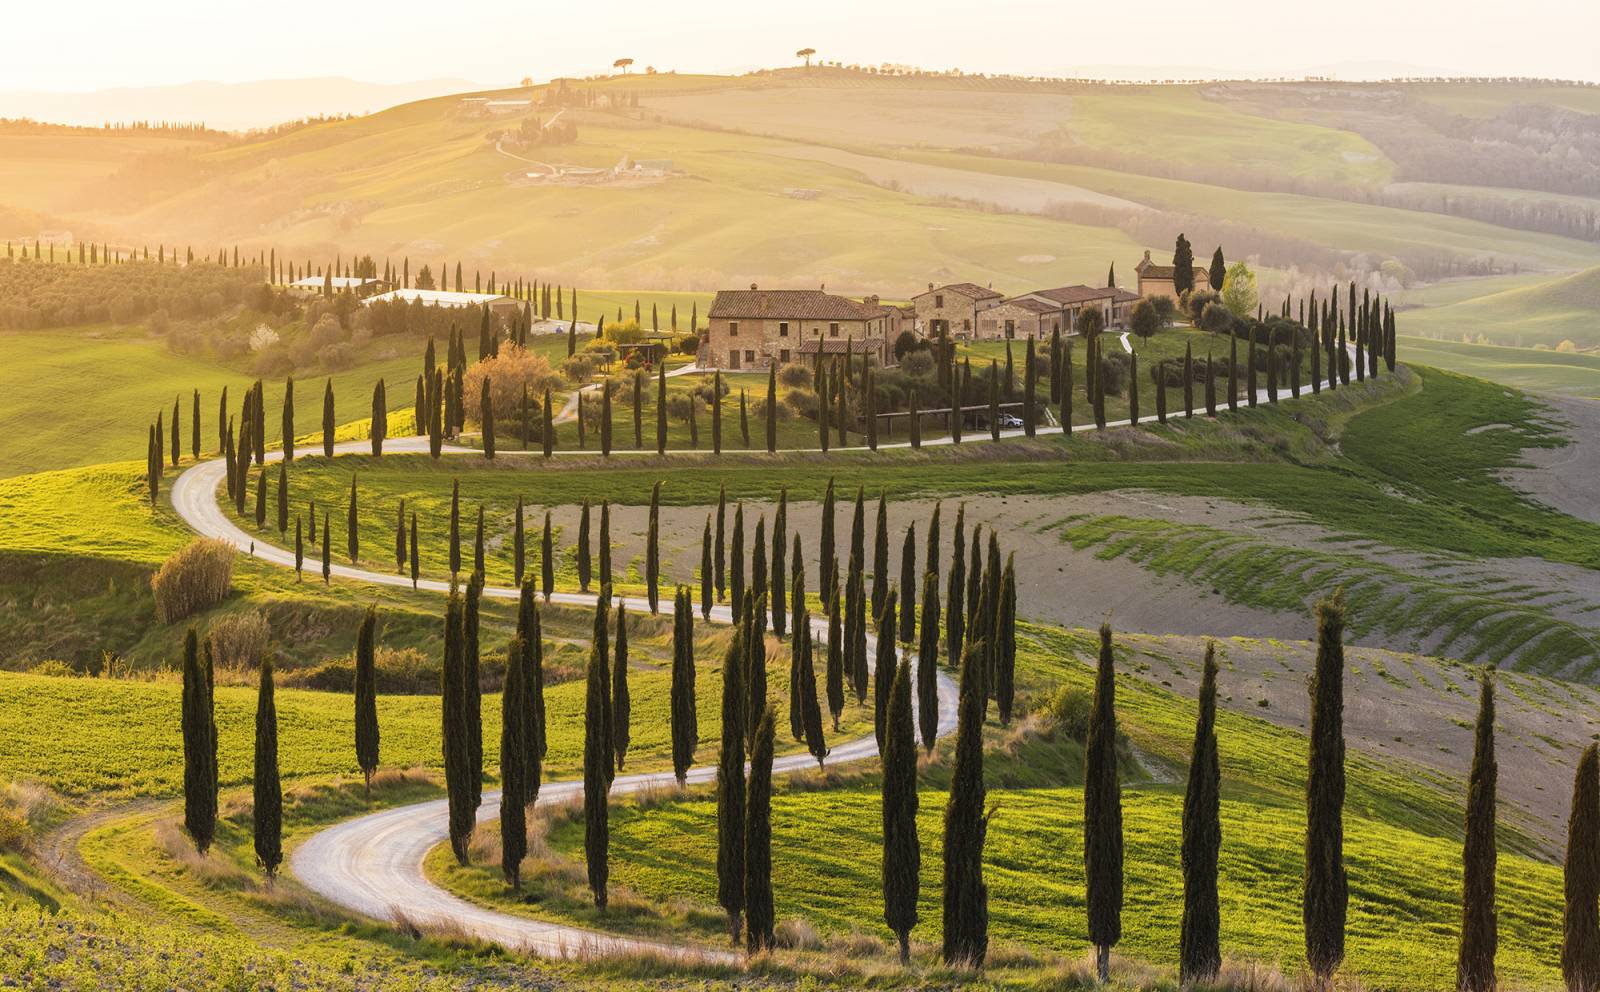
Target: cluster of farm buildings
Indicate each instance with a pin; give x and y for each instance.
(751, 328)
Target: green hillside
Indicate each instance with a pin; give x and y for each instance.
(1546, 313)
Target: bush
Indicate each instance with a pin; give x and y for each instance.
(336, 356)
(1114, 372)
(507, 374)
(1068, 707)
(795, 376)
(239, 640)
(689, 344)
(54, 669)
(578, 369)
(196, 578)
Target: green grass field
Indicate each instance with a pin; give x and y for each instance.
(1545, 313)
(1535, 370)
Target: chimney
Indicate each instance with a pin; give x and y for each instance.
(753, 285)
(930, 287)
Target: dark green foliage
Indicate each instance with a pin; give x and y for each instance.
(547, 559)
(736, 562)
(772, 409)
(755, 664)
(1218, 271)
(828, 580)
(661, 410)
(601, 641)
(806, 686)
(597, 757)
(585, 564)
(1479, 927)
(1580, 942)
(1005, 643)
(966, 897)
(1326, 885)
(283, 496)
(1102, 813)
(1030, 389)
(366, 695)
(685, 723)
(719, 549)
(485, 414)
(758, 566)
(955, 611)
(883, 670)
(621, 706)
(530, 632)
(416, 561)
(902, 852)
(548, 431)
(730, 788)
(855, 636)
(267, 793)
(780, 539)
(477, 547)
(908, 583)
(835, 668)
(472, 690)
(457, 752)
(880, 558)
(328, 424)
(1199, 939)
(707, 571)
(857, 539)
(605, 543)
(605, 417)
(652, 551)
(758, 902)
(1183, 267)
(928, 661)
(519, 543)
(199, 745)
(261, 498)
(287, 423)
(455, 527)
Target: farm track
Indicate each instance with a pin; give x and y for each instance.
(373, 865)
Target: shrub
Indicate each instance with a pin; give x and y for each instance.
(508, 373)
(238, 640)
(1114, 368)
(689, 344)
(795, 376)
(54, 668)
(196, 578)
(336, 356)
(578, 368)
(1068, 707)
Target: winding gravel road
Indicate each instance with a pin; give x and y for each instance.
(372, 865)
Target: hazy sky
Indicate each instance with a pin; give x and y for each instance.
(95, 44)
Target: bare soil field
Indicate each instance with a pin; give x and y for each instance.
(1566, 478)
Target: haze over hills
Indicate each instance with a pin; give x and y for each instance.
(224, 106)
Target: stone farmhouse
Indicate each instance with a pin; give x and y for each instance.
(1063, 304)
(1156, 280)
(750, 329)
(362, 287)
(952, 309)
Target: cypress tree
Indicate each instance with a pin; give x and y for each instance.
(436, 428)
(1211, 387)
(621, 705)
(455, 527)
(416, 562)
(327, 419)
(1326, 886)
(933, 540)
(485, 414)
(327, 558)
(1066, 390)
(1030, 388)
(914, 420)
(685, 722)
(719, 549)
(584, 562)
(652, 551)
(477, 547)
(547, 559)
(1479, 927)
(1233, 371)
(994, 399)
(829, 561)
(597, 757)
(530, 632)
(1102, 815)
(855, 623)
(835, 667)
(287, 432)
(902, 852)
(810, 711)
(419, 412)
(299, 547)
(755, 665)
(880, 558)
(883, 670)
(352, 533)
(661, 410)
(199, 748)
(519, 544)
(638, 410)
(908, 583)
(283, 496)
(514, 749)
(457, 757)
(1005, 638)
(194, 426)
(822, 408)
(366, 698)
(858, 539)
(601, 641)
(928, 660)
(1161, 392)
(706, 570)
(1133, 389)
(177, 436)
(736, 563)
(955, 610)
(267, 808)
(605, 543)
(1580, 943)
(716, 412)
(758, 841)
(400, 538)
(605, 419)
(966, 897)
(378, 429)
(1199, 939)
(261, 498)
(730, 788)
(473, 691)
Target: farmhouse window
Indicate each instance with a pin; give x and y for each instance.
(833, 329)
(1011, 328)
(783, 328)
(733, 328)
(783, 355)
(938, 301)
(749, 357)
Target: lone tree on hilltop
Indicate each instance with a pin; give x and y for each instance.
(806, 53)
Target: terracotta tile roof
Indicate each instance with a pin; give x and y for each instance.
(1072, 295)
(1027, 303)
(792, 304)
(1124, 296)
(838, 346)
(968, 289)
(1152, 271)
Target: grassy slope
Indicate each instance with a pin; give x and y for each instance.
(1536, 370)
(1546, 313)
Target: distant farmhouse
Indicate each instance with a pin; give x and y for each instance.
(749, 329)
(1064, 303)
(362, 287)
(1156, 280)
(499, 305)
(952, 309)
(965, 310)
